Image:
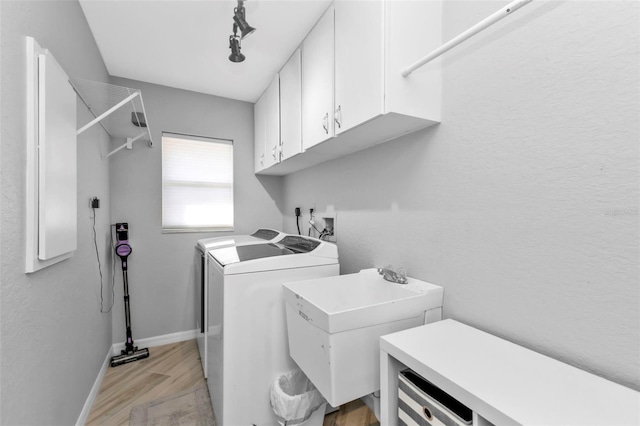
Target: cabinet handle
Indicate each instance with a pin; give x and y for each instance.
(325, 123)
(427, 413)
(338, 114)
(274, 153)
(262, 160)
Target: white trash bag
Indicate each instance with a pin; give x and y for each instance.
(294, 398)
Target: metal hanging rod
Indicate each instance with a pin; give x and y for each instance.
(109, 111)
(487, 22)
(111, 105)
(128, 144)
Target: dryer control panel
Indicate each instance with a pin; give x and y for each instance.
(299, 244)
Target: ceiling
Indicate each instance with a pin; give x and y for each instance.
(185, 43)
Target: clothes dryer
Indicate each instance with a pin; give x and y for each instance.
(203, 246)
(247, 337)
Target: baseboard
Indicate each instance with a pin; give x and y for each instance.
(165, 339)
(84, 414)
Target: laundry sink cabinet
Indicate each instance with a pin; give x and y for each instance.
(334, 325)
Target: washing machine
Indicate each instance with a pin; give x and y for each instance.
(261, 236)
(247, 346)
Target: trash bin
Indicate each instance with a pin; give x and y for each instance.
(295, 400)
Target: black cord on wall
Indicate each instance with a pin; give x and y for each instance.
(94, 206)
(95, 244)
(113, 268)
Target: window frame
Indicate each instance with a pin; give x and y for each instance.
(187, 229)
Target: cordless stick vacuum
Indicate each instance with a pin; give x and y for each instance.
(130, 352)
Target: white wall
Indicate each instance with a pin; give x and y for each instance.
(161, 266)
(523, 202)
(54, 338)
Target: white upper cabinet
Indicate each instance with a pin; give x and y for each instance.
(412, 29)
(353, 93)
(317, 82)
(260, 134)
(290, 107)
(359, 66)
(266, 113)
(277, 117)
(272, 124)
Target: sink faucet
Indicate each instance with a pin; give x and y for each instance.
(390, 275)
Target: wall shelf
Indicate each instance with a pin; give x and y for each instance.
(113, 108)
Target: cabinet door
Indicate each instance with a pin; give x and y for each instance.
(259, 124)
(317, 82)
(272, 125)
(359, 62)
(291, 107)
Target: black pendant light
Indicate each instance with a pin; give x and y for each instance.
(239, 22)
(234, 44)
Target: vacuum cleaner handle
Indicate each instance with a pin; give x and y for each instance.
(123, 251)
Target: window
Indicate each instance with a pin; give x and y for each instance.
(197, 183)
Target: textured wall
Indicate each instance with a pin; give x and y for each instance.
(161, 266)
(54, 338)
(523, 202)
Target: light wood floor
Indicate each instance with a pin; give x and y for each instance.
(169, 369)
(172, 369)
(354, 413)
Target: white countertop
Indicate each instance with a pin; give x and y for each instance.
(508, 384)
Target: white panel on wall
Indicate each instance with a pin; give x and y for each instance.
(57, 166)
(51, 161)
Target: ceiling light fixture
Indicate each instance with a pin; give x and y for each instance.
(234, 45)
(239, 22)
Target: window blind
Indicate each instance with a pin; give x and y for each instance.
(197, 183)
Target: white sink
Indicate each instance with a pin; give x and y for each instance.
(334, 326)
(352, 301)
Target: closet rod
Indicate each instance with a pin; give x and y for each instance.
(507, 10)
(128, 144)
